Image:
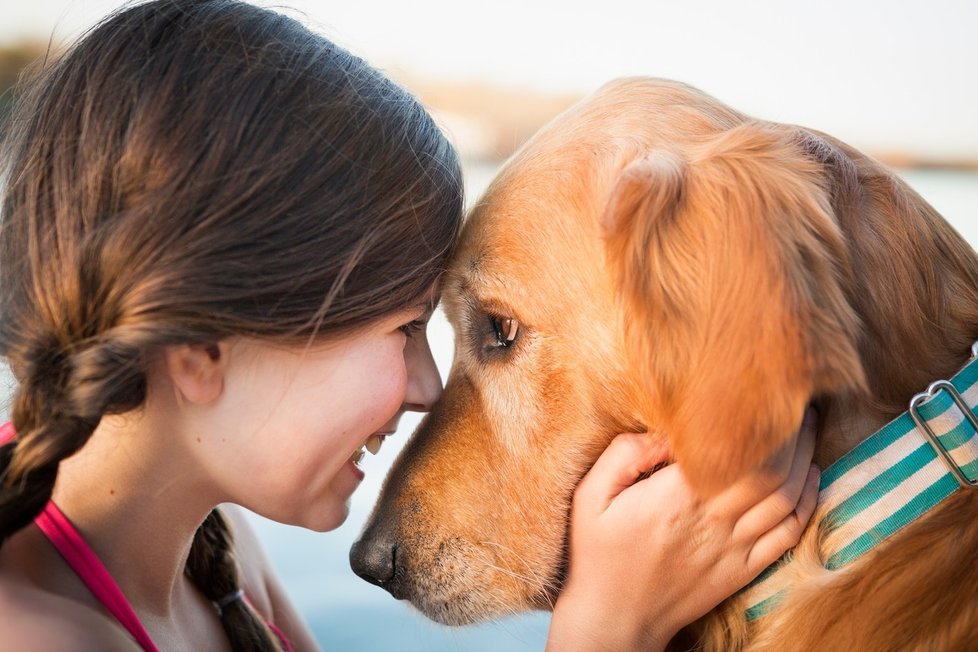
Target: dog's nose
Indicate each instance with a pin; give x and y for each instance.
(373, 560)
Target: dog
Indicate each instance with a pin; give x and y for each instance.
(653, 260)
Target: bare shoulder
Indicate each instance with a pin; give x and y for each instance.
(261, 583)
(252, 562)
(37, 620)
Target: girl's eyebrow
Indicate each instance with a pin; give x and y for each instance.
(419, 311)
(428, 305)
(426, 308)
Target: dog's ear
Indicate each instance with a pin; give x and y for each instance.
(733, 276)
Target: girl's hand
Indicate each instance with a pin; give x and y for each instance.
(649, 557)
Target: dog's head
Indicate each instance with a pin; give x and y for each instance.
(652, 260)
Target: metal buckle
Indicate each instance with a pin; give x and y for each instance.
(922, 426)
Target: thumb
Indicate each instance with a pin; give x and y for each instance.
(627, 457)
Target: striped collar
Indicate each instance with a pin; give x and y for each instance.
(891, 479)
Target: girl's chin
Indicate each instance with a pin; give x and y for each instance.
(341, 488)
(330, 523)
(328, 518)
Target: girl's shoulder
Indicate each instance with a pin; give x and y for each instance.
(260, 583)
(35, 619)
(38, 612)
(252, 562)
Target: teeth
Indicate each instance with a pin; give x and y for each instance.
(373, 443)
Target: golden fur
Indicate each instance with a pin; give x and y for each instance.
(676, 265)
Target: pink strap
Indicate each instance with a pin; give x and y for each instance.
(273, 628)
(283, 639)
(7, 433)
(79, 555)
(82, 559)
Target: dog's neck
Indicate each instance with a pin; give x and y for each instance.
(848, 419)
(842, 426)
(914, 285)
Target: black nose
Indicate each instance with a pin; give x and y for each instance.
(373, 560)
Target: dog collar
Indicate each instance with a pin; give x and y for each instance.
(889, 480)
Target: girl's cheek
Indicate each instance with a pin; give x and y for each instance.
(401, 382)
(397, 381)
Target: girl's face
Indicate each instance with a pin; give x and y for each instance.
(293, 421)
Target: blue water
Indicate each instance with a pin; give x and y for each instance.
(346, 613)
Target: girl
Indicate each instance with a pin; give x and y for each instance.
(221, 240)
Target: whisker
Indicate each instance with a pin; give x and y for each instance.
(541, 585)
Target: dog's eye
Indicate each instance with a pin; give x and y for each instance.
(504, 329)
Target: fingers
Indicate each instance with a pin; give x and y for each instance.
(771, 510)
(784, 536)
(806, 436)
(790, 462)
(627, 457)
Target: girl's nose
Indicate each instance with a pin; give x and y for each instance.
(423, 379)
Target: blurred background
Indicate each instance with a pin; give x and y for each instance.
(895, 79)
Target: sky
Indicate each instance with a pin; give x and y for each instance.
(895, 75)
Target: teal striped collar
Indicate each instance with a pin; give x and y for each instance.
(889, 480)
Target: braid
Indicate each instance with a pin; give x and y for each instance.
(56, 409)
(29, 468)
(213, 569)
(46, 435)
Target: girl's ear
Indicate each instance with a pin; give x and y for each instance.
(196, 370)
(731, 270)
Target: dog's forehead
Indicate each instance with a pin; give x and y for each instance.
(536, 232)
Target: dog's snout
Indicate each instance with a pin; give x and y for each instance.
(374, 560)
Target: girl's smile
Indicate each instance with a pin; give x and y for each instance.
(286, 427)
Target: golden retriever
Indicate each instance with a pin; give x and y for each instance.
(653, 259)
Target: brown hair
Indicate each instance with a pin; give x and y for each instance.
(188, 171)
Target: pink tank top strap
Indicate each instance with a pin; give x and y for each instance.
(79, 555)
(71, 545)
(283, 639)
(69, 542)
(83, 560)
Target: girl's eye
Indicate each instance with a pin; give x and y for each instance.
(504, 330)
(413, 327)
